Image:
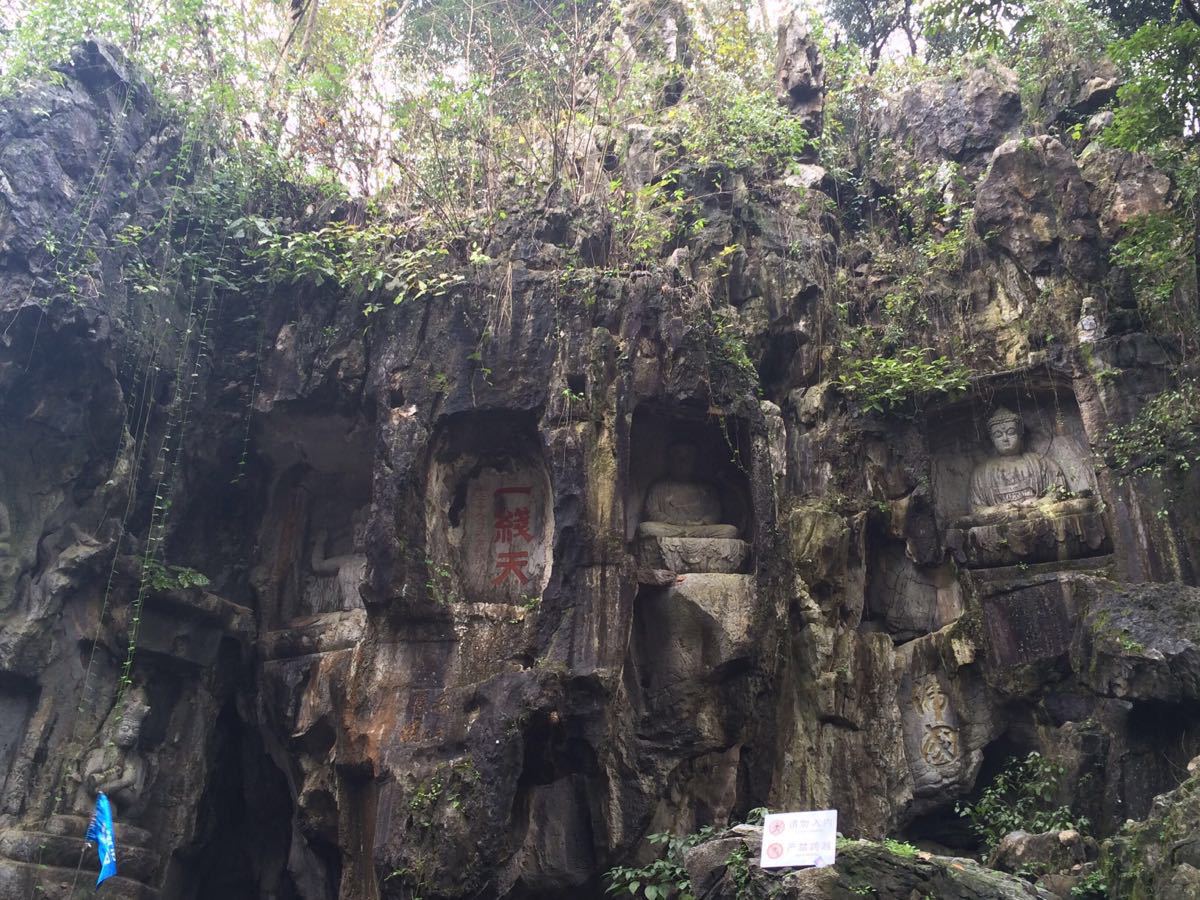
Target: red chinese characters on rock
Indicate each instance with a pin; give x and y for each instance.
(511, 526)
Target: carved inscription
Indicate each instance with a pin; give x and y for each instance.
(1026, 625)
(511, 528)
(503, 541)
(940, 746)
(940, 743)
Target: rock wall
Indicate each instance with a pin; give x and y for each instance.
(436, 650)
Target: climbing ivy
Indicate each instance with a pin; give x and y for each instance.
(162, 577)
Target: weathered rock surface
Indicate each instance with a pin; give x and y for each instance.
(1159, 857)
(960, 119)
(1048, 852)
(433, 656)
(1034, 206)
(800, 74)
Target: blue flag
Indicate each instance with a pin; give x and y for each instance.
(101, 833)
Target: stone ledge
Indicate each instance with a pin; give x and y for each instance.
(20, 879)
(692, 555)
(316, 634)
(43, 848)
(77, 826)
(1031, 539)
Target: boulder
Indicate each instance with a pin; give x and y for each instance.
(1141, 642)
(1124, 185)
(1049, 851)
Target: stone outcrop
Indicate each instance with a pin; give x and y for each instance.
(958, 119)
(862, 868)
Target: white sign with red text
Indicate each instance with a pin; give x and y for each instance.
(799, 839)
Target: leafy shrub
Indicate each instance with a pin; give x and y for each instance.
(1158, 253)
(645, 219)
(1165, 435)
(891, 383)
(161, 577)
(731, 127)
(1092, 886)
(665, 877)
(1021, 798)
(360, 259)
(1160, 99)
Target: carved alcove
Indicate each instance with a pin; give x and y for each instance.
(721, 451)
(489, 510)
(1039, 503)
(690, 523)
(311, 559)
(18, 698)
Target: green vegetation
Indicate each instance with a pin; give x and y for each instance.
(1092, 886)
(1021, 797)
(1163, 437)
(666, 879)
(173, 578)
(896, 384)
(730, 128)
(900, 848)
(663, 879)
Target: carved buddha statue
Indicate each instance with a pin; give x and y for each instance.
(116, 767)
(348, 568)
(680, 506)
(1021, 509)
(1015, 477)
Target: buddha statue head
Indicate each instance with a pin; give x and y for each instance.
(1006, 431)
(681, 461)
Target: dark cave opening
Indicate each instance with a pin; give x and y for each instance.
(243, 829)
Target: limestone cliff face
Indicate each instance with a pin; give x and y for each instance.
(434, 654)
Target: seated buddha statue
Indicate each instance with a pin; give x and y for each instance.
(680, 506)
(1015, 479)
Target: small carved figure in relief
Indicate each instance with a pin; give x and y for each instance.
(1016, 478)
(5, 530)
(347, 568)
(7, 562)
(679, 506)
(116, 767)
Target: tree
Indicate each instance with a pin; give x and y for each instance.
(958, 26)
(1127, 16)
(872, 24)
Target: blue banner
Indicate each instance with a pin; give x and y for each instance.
(100, 832)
